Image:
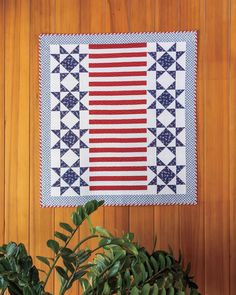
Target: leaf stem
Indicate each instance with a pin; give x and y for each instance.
(83, 241)
(57, 257)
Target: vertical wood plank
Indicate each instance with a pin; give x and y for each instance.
(232, 159)
(116, 218)
(166, 218)
(217, 149)
(192, 217)
(17, 19)
(67, 21)
(141, 18)
(41, 219)
(2, 124)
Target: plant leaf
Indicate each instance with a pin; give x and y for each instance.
(66, 227)
(62, 272)
(171, 291)
(76, 218)
(154, 264)
(162, 261)
(27, 291)
(61, 236)
(106, 289)
(134, 291)
(90, 207)
(155, 289)
(84, 283)
(43, 260)
(163, 292)
(11, 248)
(114, 269)
(146, 289)
(188, 269)
(102, 231)
(54, 245)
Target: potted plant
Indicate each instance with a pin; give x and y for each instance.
(120, 266)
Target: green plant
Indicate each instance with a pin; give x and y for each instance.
(120, 266)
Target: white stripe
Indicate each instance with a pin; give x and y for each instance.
(117, 107)
(111, 88)
(117, 173)
(105, 126)
(117, 59)
(116, 50)
(125, 182)
(120, 135)
(108, 79)
(117, 97)
(115, 155)
(124, 144)
(116, 117)
(114, 164)
(119, 69)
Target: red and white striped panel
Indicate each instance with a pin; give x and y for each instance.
(117, 118)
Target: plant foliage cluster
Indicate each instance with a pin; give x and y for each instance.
(117, 265)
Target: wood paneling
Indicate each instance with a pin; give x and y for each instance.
(191, 218)
(17, 116)
(232, 159)
(205, 232)
(2, 127)
(216, 191)
(41, 220)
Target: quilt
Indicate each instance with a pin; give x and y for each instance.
(117, 118)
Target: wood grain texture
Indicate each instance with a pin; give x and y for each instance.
(17, 23)
(2, 125)
(232, 121)
(41, 219)
(191, 218)
(206, 232)
(217, 149)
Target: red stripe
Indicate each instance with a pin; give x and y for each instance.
(120, 121)
(114, 93)
(117, 74)
(111, 131)
(117, 102)
(118, 83)
(117, 178)
(127, 45)
(117, 112)
(118, 168)
(118, 150)
(118, 64)
(117, 55)
(118, 159)
(118, 187)
(113, 140)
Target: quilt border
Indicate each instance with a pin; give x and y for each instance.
(190, 198)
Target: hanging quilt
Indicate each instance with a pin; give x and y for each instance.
(118, 118)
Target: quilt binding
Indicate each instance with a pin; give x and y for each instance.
(194, 202)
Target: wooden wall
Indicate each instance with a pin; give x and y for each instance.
(206, 233)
